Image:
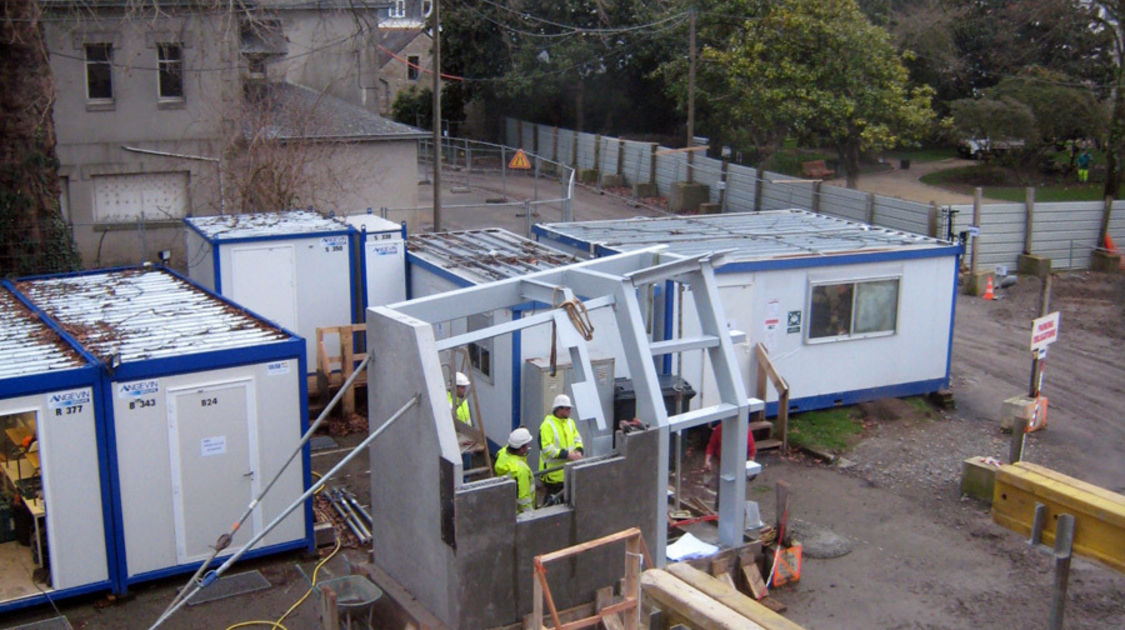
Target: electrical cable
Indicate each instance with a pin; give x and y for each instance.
(277, 624)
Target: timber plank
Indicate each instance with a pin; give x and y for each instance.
(688, 602)
(732, 598)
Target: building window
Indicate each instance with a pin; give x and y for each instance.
(170, 65)
(412, 67)
(99, 75)
(427, 7)
(399, 9)
(845, 310)
(480, 352)
(144, 196)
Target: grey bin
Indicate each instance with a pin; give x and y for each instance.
(355, 597)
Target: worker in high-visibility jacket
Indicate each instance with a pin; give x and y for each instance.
(511, 461)
(461, 405)
(559, 443)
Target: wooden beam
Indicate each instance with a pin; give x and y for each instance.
(688, 602)
(701, 147)
(731, 597)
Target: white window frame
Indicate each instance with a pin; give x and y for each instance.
(427, 7)
(89, 65)
(478, 350)
(851, 334)
(398, 10)
(162, 64)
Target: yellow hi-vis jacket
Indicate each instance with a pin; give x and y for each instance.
(462, 409)
(515, 466)
(557, 437)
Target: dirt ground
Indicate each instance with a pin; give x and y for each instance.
(906, 184)
(921, 556)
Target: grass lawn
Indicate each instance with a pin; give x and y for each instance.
(963, 179)
(922, 155)
(828, 430)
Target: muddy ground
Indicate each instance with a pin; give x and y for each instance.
(925, 557)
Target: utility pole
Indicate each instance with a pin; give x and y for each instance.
(691, 98)
(434, 28)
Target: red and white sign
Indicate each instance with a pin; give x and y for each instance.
(1045, 331)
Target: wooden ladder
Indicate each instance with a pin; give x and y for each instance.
(779, 428)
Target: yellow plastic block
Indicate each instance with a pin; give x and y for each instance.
(1099, 527)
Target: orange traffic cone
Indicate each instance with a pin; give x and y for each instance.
(1112, 248)
(988, 294)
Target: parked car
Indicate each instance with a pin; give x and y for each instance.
(981, 148)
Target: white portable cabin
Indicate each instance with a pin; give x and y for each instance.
(381, 248)
(294, 268)
(203, 401)
(51, 391)
(848, 312)
(510, 373)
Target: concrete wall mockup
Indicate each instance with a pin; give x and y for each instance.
(496, 549)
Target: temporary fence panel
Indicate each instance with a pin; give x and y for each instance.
(1066, 233)
(843, 202)
(778, 194)
(638, 162)
(669, 169)
(528, 137)
(587, 143)
(1001, 234)
(742, 181)
(565, 150)
(899, 214)
(511, 131)
(545, 140)
(610, 150)
(709, 172)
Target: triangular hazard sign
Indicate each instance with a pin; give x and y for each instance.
(520, 161)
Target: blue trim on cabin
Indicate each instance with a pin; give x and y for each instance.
(115, 487)
(361, 241)
(43, 382)
(216, 269)
(563, 239)
(207, 361)
(825, 401)
(831, 260)
(517, 374)
(952, 315)
(306, 450)
(192, 566)
(441, 272)
(53, 596)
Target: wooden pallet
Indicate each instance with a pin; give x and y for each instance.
(333, 370)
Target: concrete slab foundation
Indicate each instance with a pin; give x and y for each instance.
(687, 196)
(1105, 261)
(1031, 265)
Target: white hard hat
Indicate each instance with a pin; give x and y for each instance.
(562, 400)
(461, 380)
(519, 438)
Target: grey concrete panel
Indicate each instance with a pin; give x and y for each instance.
(549, 529)
(405, 470)
(486, 552)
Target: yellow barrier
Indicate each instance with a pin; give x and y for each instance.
(1099, 530)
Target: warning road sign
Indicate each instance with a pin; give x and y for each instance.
(520, 161)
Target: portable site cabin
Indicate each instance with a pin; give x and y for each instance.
(55, 517)
(848, 312)
(294, 268)
(381, 245)
(203, 403)
(511, 374)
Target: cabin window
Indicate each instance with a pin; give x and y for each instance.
(480, 352)
(845, 310)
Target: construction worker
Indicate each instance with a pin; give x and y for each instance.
(559, 443)
(461, 382)
(512, 462)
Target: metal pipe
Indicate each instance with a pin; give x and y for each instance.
(366, 534)
(344, 516)
(358, 508)
(214, 575)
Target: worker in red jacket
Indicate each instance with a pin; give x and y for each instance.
(715, 450)
(715, 446)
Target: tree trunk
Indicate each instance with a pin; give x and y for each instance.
(849, 161)
(1116, 141)
(33, 237)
